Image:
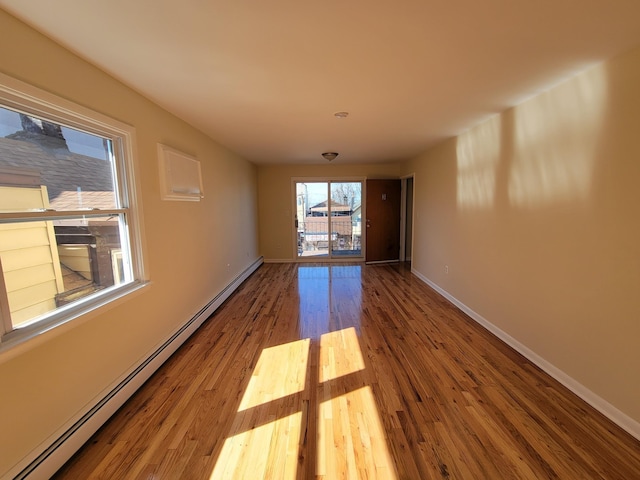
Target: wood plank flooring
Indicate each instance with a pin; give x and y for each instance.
(351, 371)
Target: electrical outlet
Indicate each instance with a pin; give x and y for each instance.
(446, 269)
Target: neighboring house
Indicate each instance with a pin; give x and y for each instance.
(322, 209)
(316, 226)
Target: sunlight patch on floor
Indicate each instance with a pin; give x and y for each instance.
(280, 372)
(266, 430)
(265, 437)
(351, 439)
(340, 354)
(267, 451)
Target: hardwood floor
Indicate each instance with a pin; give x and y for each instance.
(351, 371)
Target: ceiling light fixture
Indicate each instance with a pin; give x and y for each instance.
(329, 155)
(341, 114)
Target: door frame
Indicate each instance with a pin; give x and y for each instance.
(294, 229)
(404, 221)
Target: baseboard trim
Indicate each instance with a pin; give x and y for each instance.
(382, 262)
(612, 413)
(47, 460)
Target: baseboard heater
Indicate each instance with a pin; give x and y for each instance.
(62, 449)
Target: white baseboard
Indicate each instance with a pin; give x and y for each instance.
(48, 458)
(618, 417)
(382, 262)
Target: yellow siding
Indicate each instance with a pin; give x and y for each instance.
(76, 257)
(27, 314)
(29, 255)
(20, 199)
(32, 295)
(44, 195)
(13, 239)
(25, 277)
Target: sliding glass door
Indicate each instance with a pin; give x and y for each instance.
(328, 219)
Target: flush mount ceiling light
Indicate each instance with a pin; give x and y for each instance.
(329, 155)
(341, 114)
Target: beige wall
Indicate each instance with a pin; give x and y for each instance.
(275, 199)
(188, 248)
(536, 212)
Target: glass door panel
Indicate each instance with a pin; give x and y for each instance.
(346, 216)
(312, 219)
(328, 219)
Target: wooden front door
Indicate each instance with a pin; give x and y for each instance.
(383, 220)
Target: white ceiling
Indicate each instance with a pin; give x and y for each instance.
(264, 78)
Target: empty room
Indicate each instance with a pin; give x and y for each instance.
(298, 240)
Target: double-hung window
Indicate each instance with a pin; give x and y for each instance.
(69, 229)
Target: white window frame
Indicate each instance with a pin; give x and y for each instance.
(31, 100)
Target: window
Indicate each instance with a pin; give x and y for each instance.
(69, 236)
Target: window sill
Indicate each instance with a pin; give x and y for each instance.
(23, 339)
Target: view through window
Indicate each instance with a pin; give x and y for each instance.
(329, 219)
